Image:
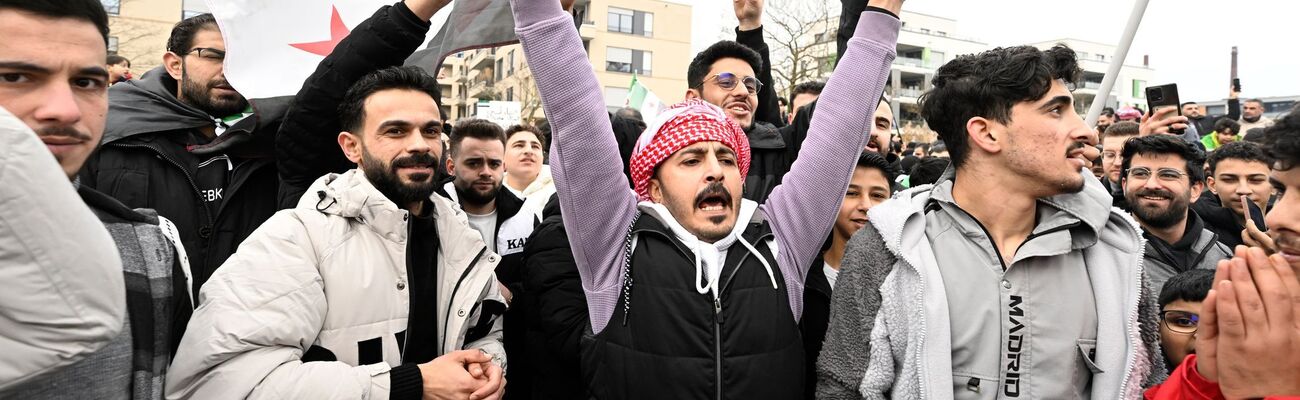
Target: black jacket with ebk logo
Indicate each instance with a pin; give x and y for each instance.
(152, 155)
(557, 320)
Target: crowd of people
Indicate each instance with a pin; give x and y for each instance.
(177, 240)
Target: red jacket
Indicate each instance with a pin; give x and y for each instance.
(1185, 383)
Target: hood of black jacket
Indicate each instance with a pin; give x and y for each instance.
(763, 135)
(149, 105)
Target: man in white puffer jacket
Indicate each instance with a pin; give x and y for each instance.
(369, 288)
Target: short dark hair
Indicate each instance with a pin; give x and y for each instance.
(86, 10)
(182, 36)
(1122, 128)
(1192, 156)
(877, 161)
(1261, 102)
(630, 113)
(481, 129)
(1192, 285)
(114, 59)
(1108, 111)
(1254, 135)
(1225, 124)
(1239, 150)
(1283, 140)
(939, 147)
(1186, 103)
(811, 87)
(703, 61)
(513, 129)
(352, 111)
(927, 171)
(988, 85)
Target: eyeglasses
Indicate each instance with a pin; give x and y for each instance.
(206, 53)
(1180, 321)
(728, 81)
(1164, 174)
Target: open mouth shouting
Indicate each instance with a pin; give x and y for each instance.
(714, 202)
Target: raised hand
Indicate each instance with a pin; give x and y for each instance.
(894, 6)
(1258, 336)
(426, 8)
(1160, 121)
(749, 13)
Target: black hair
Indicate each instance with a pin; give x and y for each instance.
(811, 87)
(1254, 135)
(1122, 128)
(481, 129)
(1108, 111)
(703, 62)
(114, 59)
(927, 171)
(513, 129)
(1193, 157)
(1239, 150)
(987, 85)
(877, 161)
(1224, 124)
(1180, 106)
(938, 147)
(630, 113)
(86, 10)
(1192, 285)
(183, 33)
(1283, 140)
(352, 110)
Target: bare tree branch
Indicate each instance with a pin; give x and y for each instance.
(792, 27)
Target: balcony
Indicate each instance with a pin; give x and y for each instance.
(587, 30)
(913, 62)
(482, 59)
(910, 92)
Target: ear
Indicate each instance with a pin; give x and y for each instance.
(692, 94)
(1209, 181)
(656, 190)
(351, 145)
(985, 134)
(451, 165)
(1197, 188)
(173, 64)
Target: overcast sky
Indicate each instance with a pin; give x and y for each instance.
(1189, 41)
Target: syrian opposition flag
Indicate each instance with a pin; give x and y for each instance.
(643, 100)
(272, 46)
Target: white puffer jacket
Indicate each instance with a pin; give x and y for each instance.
(331, 273)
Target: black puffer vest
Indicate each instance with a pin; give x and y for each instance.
(667, 341)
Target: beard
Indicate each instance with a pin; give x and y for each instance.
(466, 193)
(1159, 218)
(709, 233)
(200, 96)
(385, 178)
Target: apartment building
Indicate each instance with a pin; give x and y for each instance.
(648, 38)
(138, 29)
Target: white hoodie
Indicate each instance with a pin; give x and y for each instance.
(709, 257)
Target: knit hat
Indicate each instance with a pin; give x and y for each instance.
(684, 124)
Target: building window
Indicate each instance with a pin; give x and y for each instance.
(628, 61)
(1139, 89)
(500, 71)
(510, 94)
(113, 7)
(615, 98)
(925, 31)
(112, 45)
(631, 22)
(510, 69)
(1101, 57)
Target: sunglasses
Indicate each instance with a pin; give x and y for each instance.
(1180, 321)
(728, 81)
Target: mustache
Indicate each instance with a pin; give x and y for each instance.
(1075, 147)
(415, 160)
(62, 131)
(714, 189)
(1164, 194)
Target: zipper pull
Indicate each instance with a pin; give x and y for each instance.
(973, 385)
(717, 310)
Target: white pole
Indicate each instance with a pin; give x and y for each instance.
(1117, 61)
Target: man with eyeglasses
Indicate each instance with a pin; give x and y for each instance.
(181, 140)
(1162, 176)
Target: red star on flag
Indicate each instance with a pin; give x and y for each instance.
(338, 31)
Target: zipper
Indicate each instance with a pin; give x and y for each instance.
(717, 343)
(452, 301)
(410, 231)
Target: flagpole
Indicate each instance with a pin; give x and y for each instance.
(1117, 61)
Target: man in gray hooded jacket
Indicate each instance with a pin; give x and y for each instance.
(1032, 290)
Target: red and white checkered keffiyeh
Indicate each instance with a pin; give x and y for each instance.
(678, 127)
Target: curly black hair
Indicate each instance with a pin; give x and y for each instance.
(1239, 150)
(1282, 141)
(987, 85)
(703, 62)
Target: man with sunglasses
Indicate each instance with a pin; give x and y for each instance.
(1162, 177)
(181, 140)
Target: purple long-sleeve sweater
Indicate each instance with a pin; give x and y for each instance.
(598, 206)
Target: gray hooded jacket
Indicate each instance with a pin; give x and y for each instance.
(890, 335)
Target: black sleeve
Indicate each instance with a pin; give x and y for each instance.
(551, 277)
(850, 12)
(768, 110)
(1234, 109)
(406, 381)
(307, 143)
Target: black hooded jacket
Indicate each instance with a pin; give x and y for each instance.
(143, 162)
